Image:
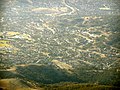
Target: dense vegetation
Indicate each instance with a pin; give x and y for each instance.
(72, 86)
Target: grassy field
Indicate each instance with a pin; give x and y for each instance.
(16, 84)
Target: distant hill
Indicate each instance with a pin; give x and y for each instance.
(50, 74)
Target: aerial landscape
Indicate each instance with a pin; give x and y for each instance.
(59, 44)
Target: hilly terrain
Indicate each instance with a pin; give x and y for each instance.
(48, 43)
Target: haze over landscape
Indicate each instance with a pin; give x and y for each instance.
(46, 42)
